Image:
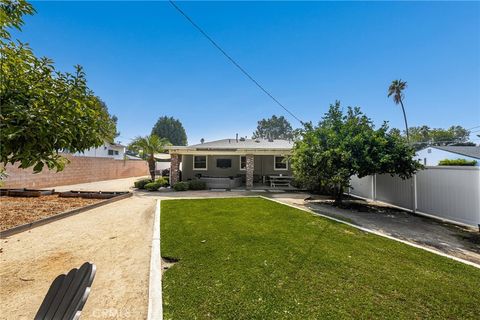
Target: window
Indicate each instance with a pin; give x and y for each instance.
(224, 163)
(280, 163)
(199, 162)
(243, 163)
(116, 152)
(110, 152)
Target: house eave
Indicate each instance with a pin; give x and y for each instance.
(227, 151)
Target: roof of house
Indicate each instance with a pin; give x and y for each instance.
(245, 144)
(469, 151)
(241, 144)
(162, 156)
(115, 144)
(131, 157)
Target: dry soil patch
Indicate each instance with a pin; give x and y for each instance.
(15, 211)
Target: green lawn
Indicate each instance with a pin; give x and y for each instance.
(250, 258)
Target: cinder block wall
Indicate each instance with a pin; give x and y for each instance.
(79, 170)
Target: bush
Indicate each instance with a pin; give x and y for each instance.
(180, 186)
(197, 185)
(165, 172)
(457, 162)
(162, 181)
(153, 186)
(140, 184)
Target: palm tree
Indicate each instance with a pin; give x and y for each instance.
(147, 147)
(396, 89)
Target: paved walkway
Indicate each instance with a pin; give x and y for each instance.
(450, 239)
(125, 184)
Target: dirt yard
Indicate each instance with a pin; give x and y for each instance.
(15, 211)
(116, 237)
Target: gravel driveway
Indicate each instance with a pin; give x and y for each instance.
(116, 237)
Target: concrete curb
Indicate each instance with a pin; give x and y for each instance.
(155, 302)
(24, 227)
(473, 264)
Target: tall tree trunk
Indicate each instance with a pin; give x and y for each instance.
(338, 195)
(405, 118)
(151, 167)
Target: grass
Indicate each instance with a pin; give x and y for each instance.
(250, 258)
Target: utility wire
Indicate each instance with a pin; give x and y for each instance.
(233, 61)
(473, 127)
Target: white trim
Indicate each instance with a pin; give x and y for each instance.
(275, 163)
(155, 303)
(240, 163)
(258, 152)
(378, 233)
(206, 163)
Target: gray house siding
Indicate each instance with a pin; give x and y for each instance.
(264, 166)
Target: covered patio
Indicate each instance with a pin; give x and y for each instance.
(234, 164)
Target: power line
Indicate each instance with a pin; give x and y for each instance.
(232, 60)
(443, 141)
(473, 128)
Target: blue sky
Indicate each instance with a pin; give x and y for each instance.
(145, 60)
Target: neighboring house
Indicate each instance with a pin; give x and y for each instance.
(430, 156)
(107, 150)
(231, 162)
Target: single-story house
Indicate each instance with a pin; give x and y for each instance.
(431, 156)
(107, 150)
(230, 163)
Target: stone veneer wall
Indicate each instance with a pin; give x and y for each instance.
(79, 170)
(174, 168)
(250, 168)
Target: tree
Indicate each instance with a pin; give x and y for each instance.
(274, 128)
(343, 145)
(11, 13)
(147, 147)
(424, 136)
(43, 111)
(171, 129)
(396, 89)
(113, 117)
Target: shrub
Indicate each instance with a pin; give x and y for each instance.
(140, 184)
(166, 172)
(457, 162)
(162, 181)
(153, 186)
(197, 185)
(180, 186)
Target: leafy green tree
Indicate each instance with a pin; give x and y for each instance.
(396, 89)
(146, 147)
(113, 117)
(171, 129)
(274, 128)
(11, 16)
(343, 145)
(43, 111)
(423, 136)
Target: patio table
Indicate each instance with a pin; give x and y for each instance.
(280, 181)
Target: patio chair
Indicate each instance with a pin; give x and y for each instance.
(67, 294)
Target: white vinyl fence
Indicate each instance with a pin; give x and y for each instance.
(446, 193)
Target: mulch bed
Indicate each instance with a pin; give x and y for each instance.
(15, 211)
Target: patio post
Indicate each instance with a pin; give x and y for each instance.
(174, 168)
(250, 168)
